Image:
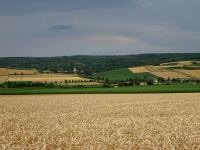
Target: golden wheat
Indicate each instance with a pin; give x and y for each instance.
(160, 121)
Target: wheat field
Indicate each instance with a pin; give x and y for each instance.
(146, 121)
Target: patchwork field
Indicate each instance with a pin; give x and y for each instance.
(14, 75)
(171, 70)
(148, 121)
(170, 74)
(160, 72)
(193, 73)
(11, 74)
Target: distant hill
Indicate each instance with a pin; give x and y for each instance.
(93, 64)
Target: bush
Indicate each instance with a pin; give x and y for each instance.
(149, 81)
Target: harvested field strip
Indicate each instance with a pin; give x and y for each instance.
(156, 69)
(141, 69)
(159, 71)
(3, 72)
(148, 69)
(170, 74)
(3, 79)
(184, 73)
(192, 73)
(19, 72)
(46, 78)
(166, 70)
(178, 64)
(149, 121)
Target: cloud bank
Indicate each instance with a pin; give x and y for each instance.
(73, 27)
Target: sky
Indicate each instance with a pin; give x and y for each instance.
(98, 27)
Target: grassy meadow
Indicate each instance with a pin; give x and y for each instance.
(122, 74)
(177, 88)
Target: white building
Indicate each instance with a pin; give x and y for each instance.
(75, 70)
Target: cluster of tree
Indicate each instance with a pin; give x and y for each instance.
(175, 80)
(129, 82)
(147, 81)
(88, 65)
(77, 81)
(43, 85)
(26, 84)
(106, 83)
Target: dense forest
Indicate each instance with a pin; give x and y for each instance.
(92, 64)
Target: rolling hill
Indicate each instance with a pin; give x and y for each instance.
(94, 64)
(177, 70)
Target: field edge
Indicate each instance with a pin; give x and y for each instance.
(179, 88)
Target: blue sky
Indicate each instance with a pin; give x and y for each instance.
(98, 27)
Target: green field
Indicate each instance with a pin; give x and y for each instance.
(179, 88)
(122, 74)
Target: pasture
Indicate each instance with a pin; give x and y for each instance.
(145, 121)
(122, 74)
